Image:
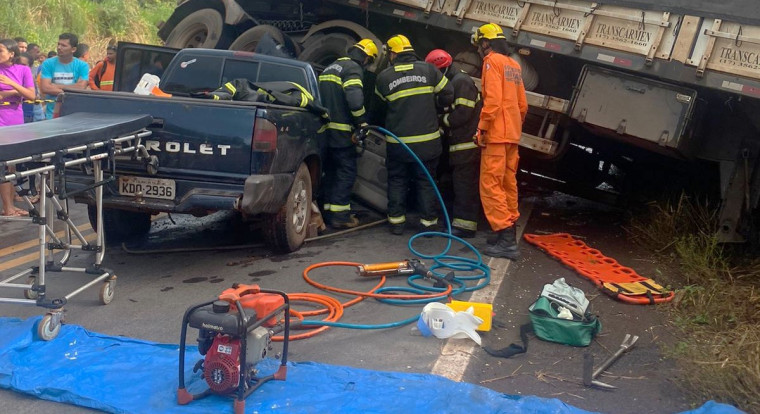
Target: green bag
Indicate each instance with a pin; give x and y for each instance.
(547, 326)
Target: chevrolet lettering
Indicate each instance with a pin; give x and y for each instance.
(186, 147)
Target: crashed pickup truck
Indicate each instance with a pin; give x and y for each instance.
(258, 158)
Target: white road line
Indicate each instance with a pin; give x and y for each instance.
(456, 354)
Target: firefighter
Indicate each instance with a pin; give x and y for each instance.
(414, 93)
(499, 129)
(341, 87)
(460, 125)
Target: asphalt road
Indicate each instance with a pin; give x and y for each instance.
(155, 286)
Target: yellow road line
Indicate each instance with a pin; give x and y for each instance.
(32, 257)
(31, 243)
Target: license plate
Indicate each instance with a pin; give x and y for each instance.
(147, 187)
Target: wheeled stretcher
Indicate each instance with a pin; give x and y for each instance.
(91, 142)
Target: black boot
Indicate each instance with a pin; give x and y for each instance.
(506, 246)
(462, 233)
(492, 238)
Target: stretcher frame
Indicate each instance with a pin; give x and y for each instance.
(50, 170)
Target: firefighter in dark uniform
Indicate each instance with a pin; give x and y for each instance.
(341, 87)
(414, 92)
(460, 125)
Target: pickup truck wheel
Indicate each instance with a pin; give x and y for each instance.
(203, 28)
(286, 230)
(120, 225)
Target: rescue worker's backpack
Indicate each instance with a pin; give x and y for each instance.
(281, 93)
(99, 75)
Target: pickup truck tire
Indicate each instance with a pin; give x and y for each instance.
(203, 28)
(120, 225)
(286, 230)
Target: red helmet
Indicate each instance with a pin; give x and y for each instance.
(439, 58)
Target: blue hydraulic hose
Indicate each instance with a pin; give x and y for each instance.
(442, 260)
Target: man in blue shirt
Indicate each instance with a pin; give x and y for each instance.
(62, 71)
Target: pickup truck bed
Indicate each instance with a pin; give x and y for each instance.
(257, 158)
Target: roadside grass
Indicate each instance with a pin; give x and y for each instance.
(717, 304)
(95, 22)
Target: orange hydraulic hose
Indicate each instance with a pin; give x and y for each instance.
(332, 307)
(365, 294)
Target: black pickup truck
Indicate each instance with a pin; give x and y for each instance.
(259, 159)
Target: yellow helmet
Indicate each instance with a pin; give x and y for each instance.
(487, 31)
(399, 43)
(367, 46)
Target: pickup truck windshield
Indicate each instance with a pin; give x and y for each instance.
(201, 73)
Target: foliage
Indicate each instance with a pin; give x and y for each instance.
(717, 308)
(96, 22)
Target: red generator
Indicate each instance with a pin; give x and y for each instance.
(234, 333)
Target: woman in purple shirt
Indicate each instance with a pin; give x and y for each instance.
(16, 84)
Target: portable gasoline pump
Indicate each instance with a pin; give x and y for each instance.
(234, 333)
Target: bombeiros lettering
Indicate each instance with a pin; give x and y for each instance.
(407, 79)
(336, 67)
(186, 148)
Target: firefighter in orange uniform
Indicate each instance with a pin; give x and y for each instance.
(499, 130)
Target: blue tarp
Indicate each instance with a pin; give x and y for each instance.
(123, 375)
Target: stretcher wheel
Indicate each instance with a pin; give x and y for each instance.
(107, 291)
(29, 293)
(47, 329)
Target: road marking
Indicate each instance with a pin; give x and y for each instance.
(32, 257)
(31, 243)
(456, 354)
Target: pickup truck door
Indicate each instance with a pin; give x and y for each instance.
(133, 60)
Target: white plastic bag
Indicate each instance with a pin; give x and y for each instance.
(146, 84)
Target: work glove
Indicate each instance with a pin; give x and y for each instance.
(360, 135)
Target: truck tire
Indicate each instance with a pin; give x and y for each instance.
(469, 62)
(248, 41)
(203, 28)
(286, 230)
(120, 225)
(324, 49)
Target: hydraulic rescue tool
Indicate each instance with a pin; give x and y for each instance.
(406, 267)
(235, 333)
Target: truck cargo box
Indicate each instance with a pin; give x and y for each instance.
(635, 107)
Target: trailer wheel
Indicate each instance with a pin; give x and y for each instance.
(47, 329)
(120, 225)
(324, 49)
(203, 28)
(286, 230)
(248, 41)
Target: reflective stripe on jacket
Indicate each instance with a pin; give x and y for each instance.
(461, 123)
(414, 92)
(341, 87)
(504, 101)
